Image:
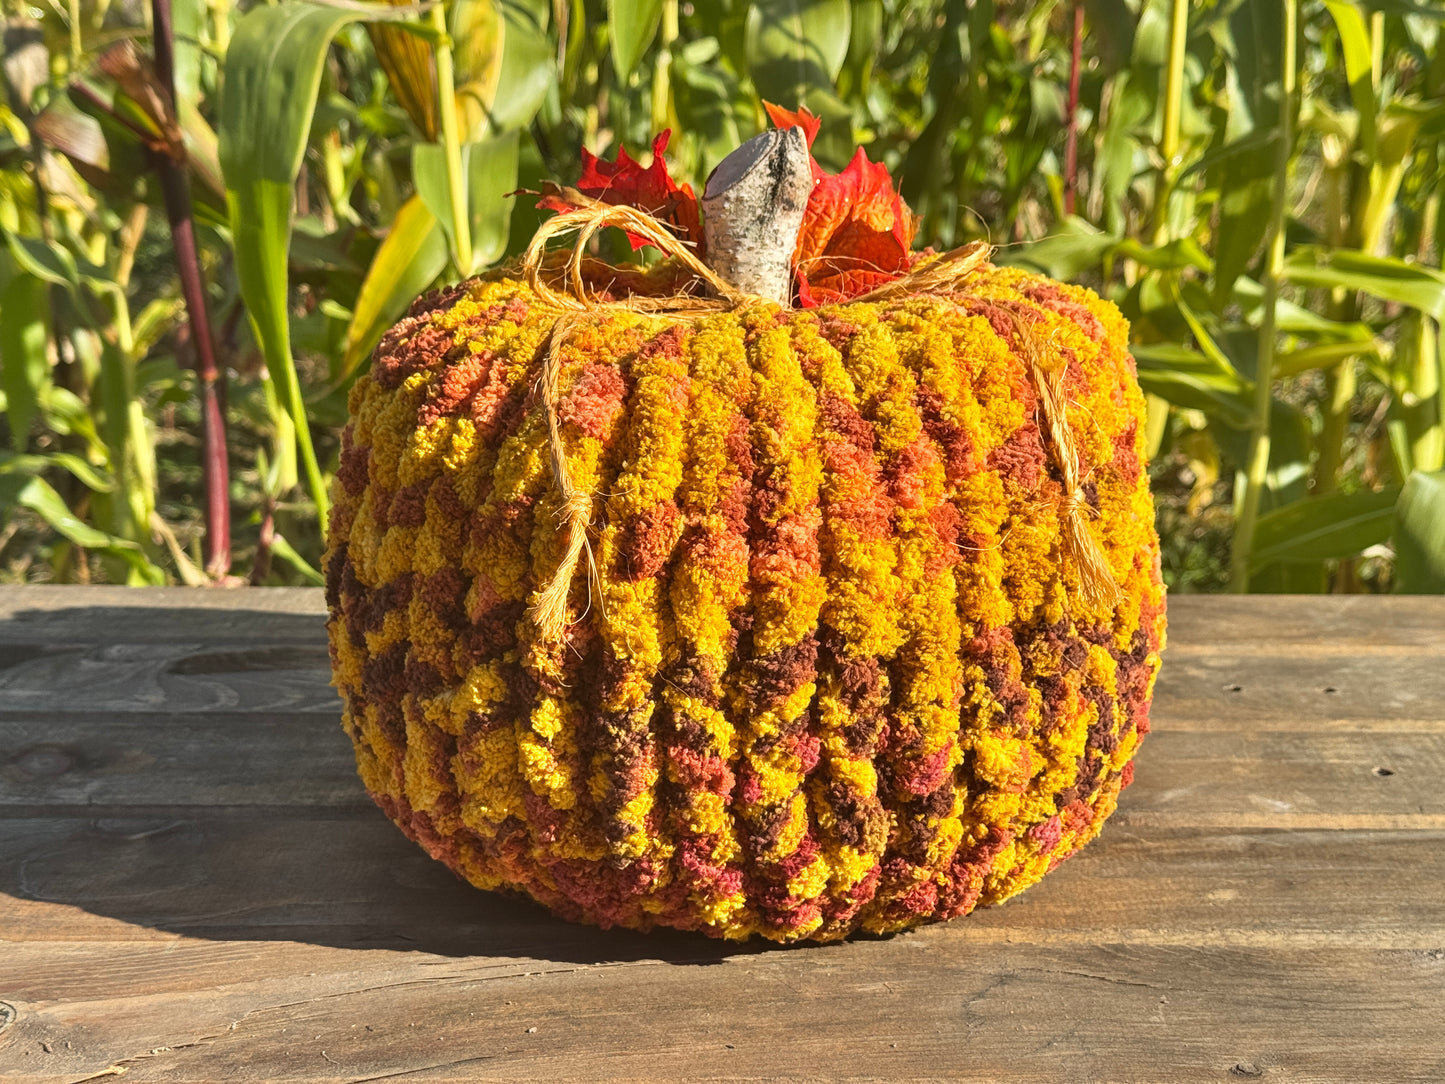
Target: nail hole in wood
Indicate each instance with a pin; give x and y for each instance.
(1383, 772)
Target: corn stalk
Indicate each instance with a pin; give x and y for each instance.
(1257, 463)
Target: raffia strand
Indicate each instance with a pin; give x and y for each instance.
(573, 304)
(1096, 578)
(549, 610)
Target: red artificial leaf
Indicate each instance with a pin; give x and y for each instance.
(857, 232)
(846, 209)
(653, 190)
(802, 117)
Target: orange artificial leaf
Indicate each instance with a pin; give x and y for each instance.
(625, 181)
(857, 233)
(802, 117)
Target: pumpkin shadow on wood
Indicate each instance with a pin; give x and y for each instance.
(186, 771)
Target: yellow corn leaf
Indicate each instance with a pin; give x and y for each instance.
(476, 28)
(407, 61)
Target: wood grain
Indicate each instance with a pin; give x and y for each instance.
(194, 887)
(1305, 624)
(924, 1006)
(1273, 688)
(187, 677)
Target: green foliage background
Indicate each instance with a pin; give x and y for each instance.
(1263, 205)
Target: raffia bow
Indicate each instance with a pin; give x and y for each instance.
(573, 303)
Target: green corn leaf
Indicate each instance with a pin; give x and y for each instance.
(1420, 535)
(864, 35)
(95, 480)
(434, 189)
(1291, 446)
(19, 490)
(703, 92)
(1245, 202)
(1332, 527)
(528, 71)
(1424, 9)
(1190, 379)
(489, 171)
(273, 71)
(1384, 277)
(284, 550)
(1355, 43)
(187, 25)
(1289, 363)
(46, 260)
(67, 414)
(154, 321)
(1075, 248)
(632, 26)
(413, 254)
(24, 363)
(1174, 256)
(478, 29)
(491, 174)
(1292, 319)
(1204, 338)
(795, 46)
(1131, 104)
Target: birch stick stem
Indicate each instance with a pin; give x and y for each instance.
(753, 209)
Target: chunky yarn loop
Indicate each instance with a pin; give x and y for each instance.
(946, 274)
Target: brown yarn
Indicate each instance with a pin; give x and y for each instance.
(945, 273)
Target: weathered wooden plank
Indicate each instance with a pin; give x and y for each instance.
(1240, 778)
(1270, 778)
(1268, 685)
(1304, 624)
(193, 676)
(923, 1006)
(1263, 689)
(140, 615)
(356, 880)
(141, 759)
(1200, 692)
(178, 799)
(1198, 623)
(1281, 690)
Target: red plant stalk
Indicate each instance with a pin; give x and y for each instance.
(1071, 146)
(175, 184)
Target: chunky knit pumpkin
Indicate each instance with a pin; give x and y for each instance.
(840, 671)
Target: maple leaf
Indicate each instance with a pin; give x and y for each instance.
(857, 232)
(625, 181)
